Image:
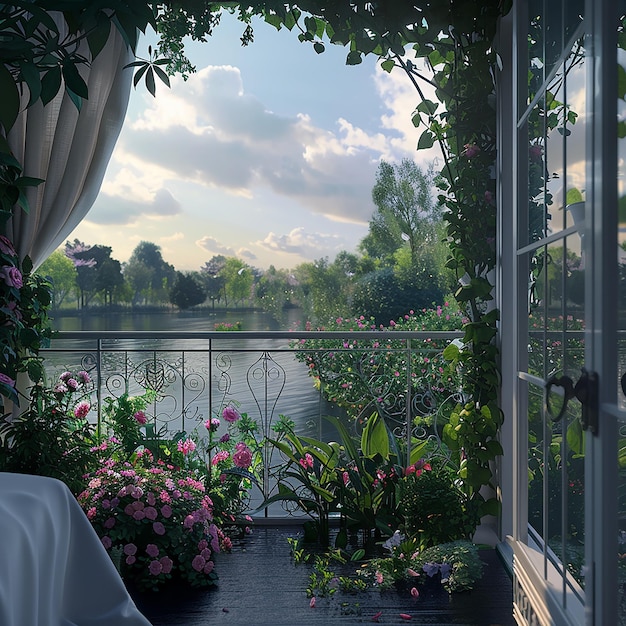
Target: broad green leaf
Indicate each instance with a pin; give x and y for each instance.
(374, 439)
(50, 85)
(74, 81)
(417, 452)
(427, 106)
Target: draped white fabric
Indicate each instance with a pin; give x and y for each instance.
(54, 570)
(70, 150)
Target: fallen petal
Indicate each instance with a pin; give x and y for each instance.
(414, 592)
(405, 616)
(376, 616)
(411, 572)
(312, 603)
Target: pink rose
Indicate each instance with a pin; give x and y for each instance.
(230, 414)
(140, 417)
(11, 276)
(81, 409)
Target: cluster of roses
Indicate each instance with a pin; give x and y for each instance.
(158, 517)
(11, 281)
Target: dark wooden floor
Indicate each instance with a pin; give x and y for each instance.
(259, 585)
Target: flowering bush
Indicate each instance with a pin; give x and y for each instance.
(371, 374)
(125, 416)
(455, 564)
(52, 437)
(24, 325)
(233, 461)
(155, 520)
(433, 509)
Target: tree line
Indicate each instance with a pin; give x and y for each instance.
(398, 266)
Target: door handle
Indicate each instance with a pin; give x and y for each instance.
(585, 391)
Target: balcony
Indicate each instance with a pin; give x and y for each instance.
(268, 374)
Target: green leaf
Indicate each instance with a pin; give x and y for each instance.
(10, 99)
(73, 80)
(354, 58)
(50, 85)
(318, 47)
(417, 451)
(374, 439)
(426, 140)
(150, 84)
(427, 106)
(388, 65)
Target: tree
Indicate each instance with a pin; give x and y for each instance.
(274, 290)
(96, 271)
(406, 211)
(238, 278)
(186, 291)
(61, 273)
(146, 262)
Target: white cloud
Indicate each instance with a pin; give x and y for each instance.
(173, 237)
(300, 242)
(129, 211)
(214, 247)
(210, 131)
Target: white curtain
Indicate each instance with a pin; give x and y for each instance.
(70, 150)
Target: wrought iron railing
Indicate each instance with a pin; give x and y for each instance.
(400, 374)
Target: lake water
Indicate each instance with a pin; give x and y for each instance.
(277, 386)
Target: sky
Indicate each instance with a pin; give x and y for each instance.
(268, 153)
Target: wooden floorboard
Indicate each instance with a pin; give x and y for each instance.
(259, 585)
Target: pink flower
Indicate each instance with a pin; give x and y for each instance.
(130, 549)
(11, 276)
(106, 542)
(155, 568)
(130, 560)
(230, 414)
(222, 455)
(140, 417)
(198, 563)
(186, 446)
(379, 577)
(471, 150)
(307, 461)
(152, 550)
(81, 409)
(84, 377)
(414, 592)
(158, 528)
(242, 456)
(166, 511)
(312, 602)
(166, 564)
